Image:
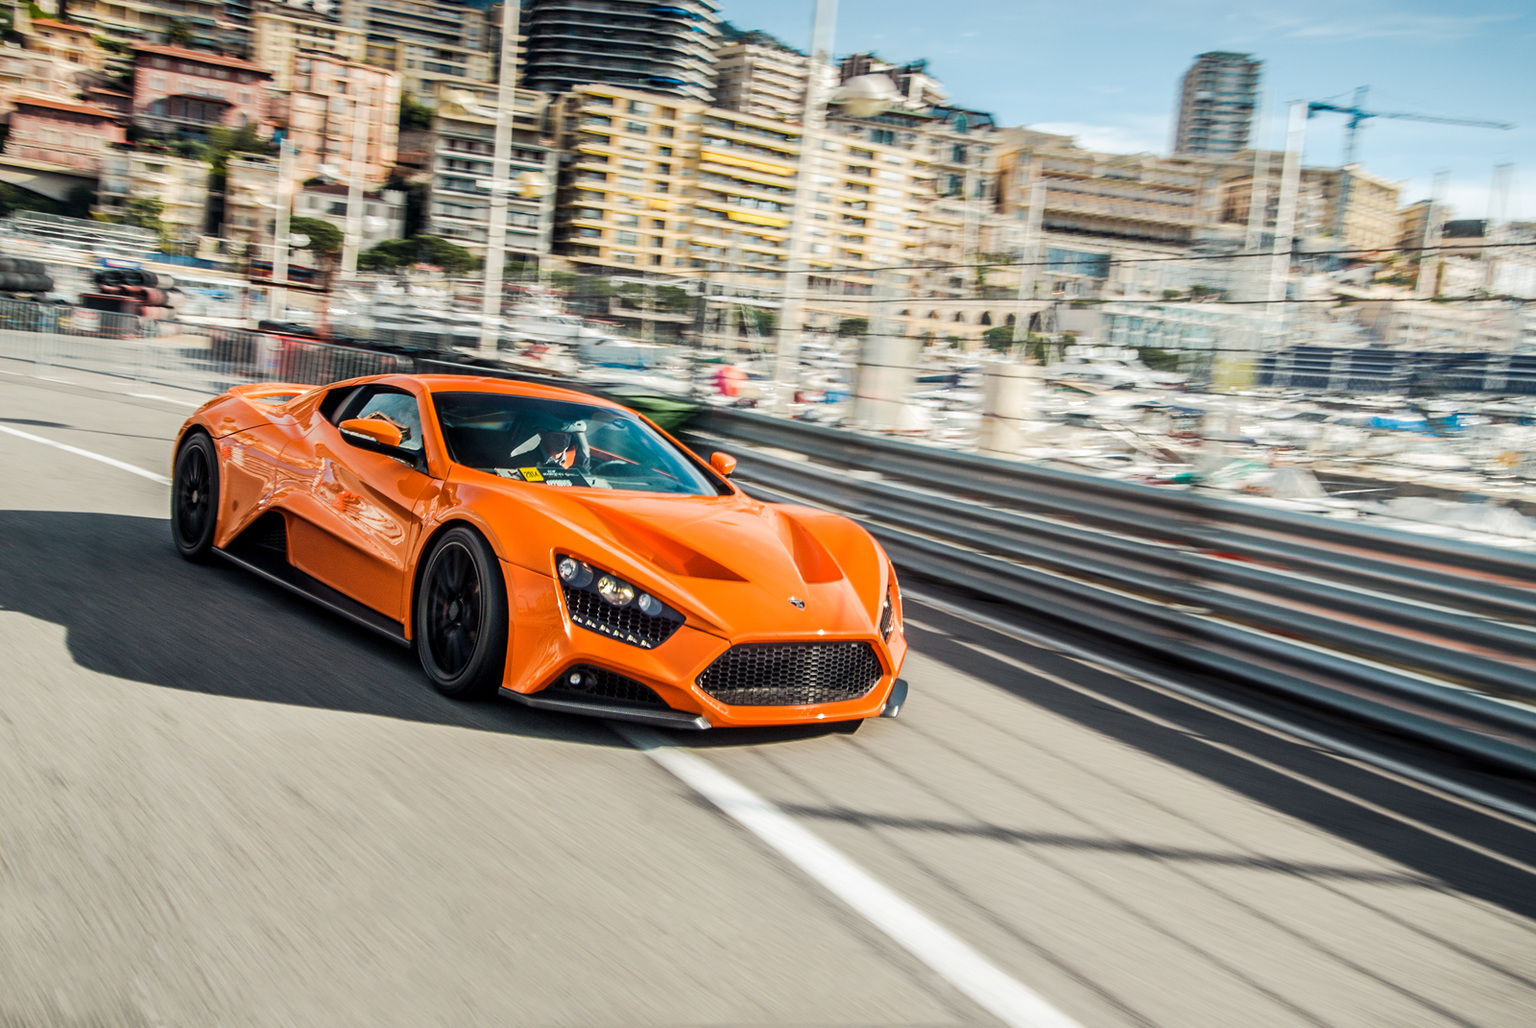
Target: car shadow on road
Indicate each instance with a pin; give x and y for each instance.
(132, 608)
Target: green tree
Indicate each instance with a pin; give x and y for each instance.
(145, 211)
(224, 141)
(999, 338)
(402, 253)
(853, 326)
(414, 115)
(325, 242)
(178, 33)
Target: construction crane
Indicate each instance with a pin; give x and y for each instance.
(1351, 133)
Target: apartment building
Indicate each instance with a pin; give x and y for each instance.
(126, 21)
(463, 147)
(436, 46)
(658, 48)
(178, 183)
(1418, 224)
(64, 132)
(1372, 222)
(280, 32)
(1217, 99)
(672, 189)
(28, 72)
(337, 111)
(186, 92)
(66, 43)
(757, 74)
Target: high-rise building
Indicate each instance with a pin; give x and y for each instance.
(1217, 98)
(637, 44)
(438, 46)
(463, 145)
(757, 74)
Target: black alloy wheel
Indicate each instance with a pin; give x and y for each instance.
(195, 497)
(461, 616)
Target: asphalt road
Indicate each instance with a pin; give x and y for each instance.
(222, 806)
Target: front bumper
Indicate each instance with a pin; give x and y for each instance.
(544, 646)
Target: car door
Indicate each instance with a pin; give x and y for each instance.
(359, 511)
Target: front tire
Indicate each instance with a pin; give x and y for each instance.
(195, 498)
(461, 616)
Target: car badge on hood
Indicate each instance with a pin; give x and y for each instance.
(798, 602)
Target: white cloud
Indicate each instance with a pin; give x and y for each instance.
(1134, 134)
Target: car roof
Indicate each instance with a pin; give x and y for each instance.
(486, 384)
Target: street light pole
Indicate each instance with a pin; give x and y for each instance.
(496, 227)
(277, 295)
(352, 238)
(796, 279)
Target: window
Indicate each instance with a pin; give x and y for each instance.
(666, 131)
(624, 258)
(628, 239)
(639, 107)
(627, 220)
(658, 223)
(635, 128)
(883, 136)
(392, 405)
(590, 233)
(664, 151)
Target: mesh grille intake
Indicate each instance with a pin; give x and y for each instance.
(792, 674)
(626, 624)
(601, 684)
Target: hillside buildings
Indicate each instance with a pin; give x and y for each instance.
(1217, 99)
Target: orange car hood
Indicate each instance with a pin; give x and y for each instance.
(732, 564)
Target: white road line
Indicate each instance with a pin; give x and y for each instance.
(167, 399)
(132, 469)
(927, 940)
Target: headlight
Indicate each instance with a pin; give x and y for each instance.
(890, 621)
(573, 572)
(615, 591)
(602, 602)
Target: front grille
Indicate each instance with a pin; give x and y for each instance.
(792, 674)
(627, 624)
(597, 683)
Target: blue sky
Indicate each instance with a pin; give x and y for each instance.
(1107, 71)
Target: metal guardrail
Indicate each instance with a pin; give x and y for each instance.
(1432, 638)
(1427, 637)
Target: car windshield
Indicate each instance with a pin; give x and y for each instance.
(563, 443)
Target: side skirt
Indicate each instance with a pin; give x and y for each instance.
(269, 564)
(662, 718)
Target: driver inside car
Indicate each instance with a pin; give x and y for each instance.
(550, 446)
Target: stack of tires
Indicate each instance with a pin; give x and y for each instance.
(19, 276)
(141, 292)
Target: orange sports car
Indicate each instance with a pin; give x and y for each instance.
(551, 545)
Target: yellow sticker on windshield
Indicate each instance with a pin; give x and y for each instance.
(531, 475)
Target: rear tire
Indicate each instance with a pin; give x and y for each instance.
(461, 616)
(195, 498)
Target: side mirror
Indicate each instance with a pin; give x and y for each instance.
(371, 433)
(723, 463)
